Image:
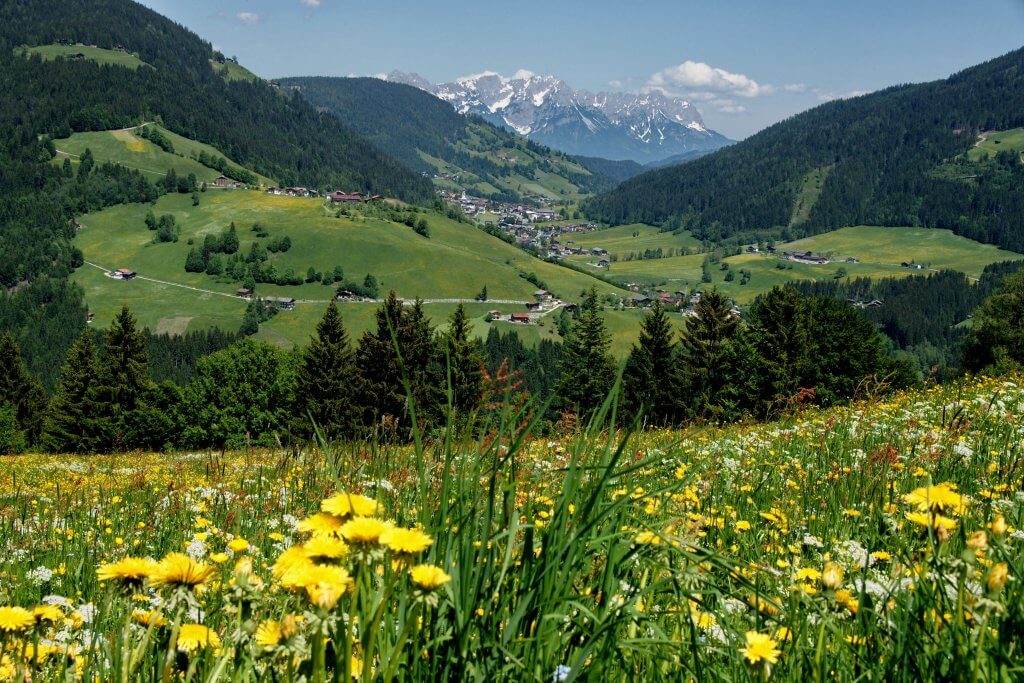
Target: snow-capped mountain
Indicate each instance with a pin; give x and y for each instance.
(643, 127)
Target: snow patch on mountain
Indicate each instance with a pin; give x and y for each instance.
(640, 126)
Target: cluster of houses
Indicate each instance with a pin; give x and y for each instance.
(293, 191)
(353, 198)
(544, 301)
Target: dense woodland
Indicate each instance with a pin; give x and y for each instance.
(922, 315)
(889, 159)
(254, 123)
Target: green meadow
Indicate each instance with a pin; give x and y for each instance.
(127, 148)
(456, 262)
(94, 54)
(1003, 141)
(624, 239)
(931, 247)
(233, 71)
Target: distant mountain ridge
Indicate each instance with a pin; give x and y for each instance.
(460, 152)
(645, 128)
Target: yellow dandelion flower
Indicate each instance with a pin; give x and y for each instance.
(321, 524)
(926, 519)
(50, 613)
(832, 577)
(807, 574)
(238, 545)
(350, 505)
(180, 570)
(363, 530)
(194, 637)
(14, 619)
(428, 576)
(939, 498)
(760, 648)
(405, 541)
(324, 549)
(290, 558)
(269, 634)
(149, 617)
(130, 570)
(997, 576)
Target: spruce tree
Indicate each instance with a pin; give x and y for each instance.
(716, 361)
(649, 380)
(20, 390)
(379, 389)
(423, 365)
(124, 375)
(587, 367)
(70, 421)
(464, 362)
(780, 320)
(324, 380)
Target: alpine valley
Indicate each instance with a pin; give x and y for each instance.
(647, 127)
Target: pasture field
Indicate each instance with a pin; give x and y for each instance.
(636, 237)
(880, 541)
(233, 71)
(129, 149)
(96, 54)
(675, 272)
(1003, 141)
(456, 262)
(934, 248)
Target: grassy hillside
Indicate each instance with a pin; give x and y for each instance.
(233, 71)
(89, 52)
(877, 542)
(999, 141)
(457, 261)
(879, 251)
(637, 237)
(129, 149)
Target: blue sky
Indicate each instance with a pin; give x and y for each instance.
(745, 63)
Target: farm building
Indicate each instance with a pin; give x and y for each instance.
(284, 303)
(345, 197)
(124, 274)
(244, 293)
(224, 181)
(519, 318)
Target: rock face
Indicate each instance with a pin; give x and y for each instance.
(645, 127)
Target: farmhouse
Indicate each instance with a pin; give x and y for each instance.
(534, 305)
(344, 295)
(224, 181)
(519, 318)
(284, 303)
(494, 315)
(124, 274)
(604, 263)
(244, 293)
(346, 197)
(543, 295)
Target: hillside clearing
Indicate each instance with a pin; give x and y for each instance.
(88, 52)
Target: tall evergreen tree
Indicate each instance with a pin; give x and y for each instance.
(124, 375)
(464, 362)
(20, 390)
(780, 319)
(423, 365)
(649, 380)
(379, 389)
(70, 421)
(324, 380)
(587, 367)
(716, 360)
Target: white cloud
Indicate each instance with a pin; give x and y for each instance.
(248, 18)
(826, 96)
(795, 87)
(699, 80)
(311, 3)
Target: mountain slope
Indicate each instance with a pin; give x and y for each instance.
(429, 136)
(253, 122)
(643, 128)
(895, 157)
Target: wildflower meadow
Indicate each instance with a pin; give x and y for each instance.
(872, 542)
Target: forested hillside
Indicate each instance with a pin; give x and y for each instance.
(895, 157)
(409, 123)
(253, 122)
